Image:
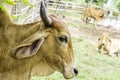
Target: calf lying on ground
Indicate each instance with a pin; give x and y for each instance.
(107, 45)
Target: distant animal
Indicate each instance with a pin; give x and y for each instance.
(38, 48)
(107, 45)
(95, 13)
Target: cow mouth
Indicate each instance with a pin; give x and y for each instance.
(70, 74)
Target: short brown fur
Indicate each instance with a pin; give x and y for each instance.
(52, 56)
(96, 14)
(108, 45)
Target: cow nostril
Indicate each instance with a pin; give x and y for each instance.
(75, 71)
(102, 43)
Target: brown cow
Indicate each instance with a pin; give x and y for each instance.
(38, 48)
(107, 45)
(95, 13)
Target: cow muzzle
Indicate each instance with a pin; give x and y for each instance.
(71, 73)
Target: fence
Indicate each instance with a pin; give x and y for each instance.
(26, 14)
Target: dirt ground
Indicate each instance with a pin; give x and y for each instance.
(95, 32)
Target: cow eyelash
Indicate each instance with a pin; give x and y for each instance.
(63, 39)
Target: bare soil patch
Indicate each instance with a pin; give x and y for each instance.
(96, 32)
(93, 32)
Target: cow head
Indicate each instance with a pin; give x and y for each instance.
(51, 44)
(104, 43)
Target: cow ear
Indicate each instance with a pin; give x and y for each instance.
(28, 50)
(29, 46)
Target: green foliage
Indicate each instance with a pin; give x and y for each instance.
(97, 2)
(118, 6)
(27, 2)
(10, 2)
(116, 13)
(1, 6)
(114, 5)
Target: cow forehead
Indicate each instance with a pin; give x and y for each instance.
(104, 35)
(59, 25)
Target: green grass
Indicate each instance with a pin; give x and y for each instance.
(95, 66)
(91, 65)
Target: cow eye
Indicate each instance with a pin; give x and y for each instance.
(99, 39)
(63, 39)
